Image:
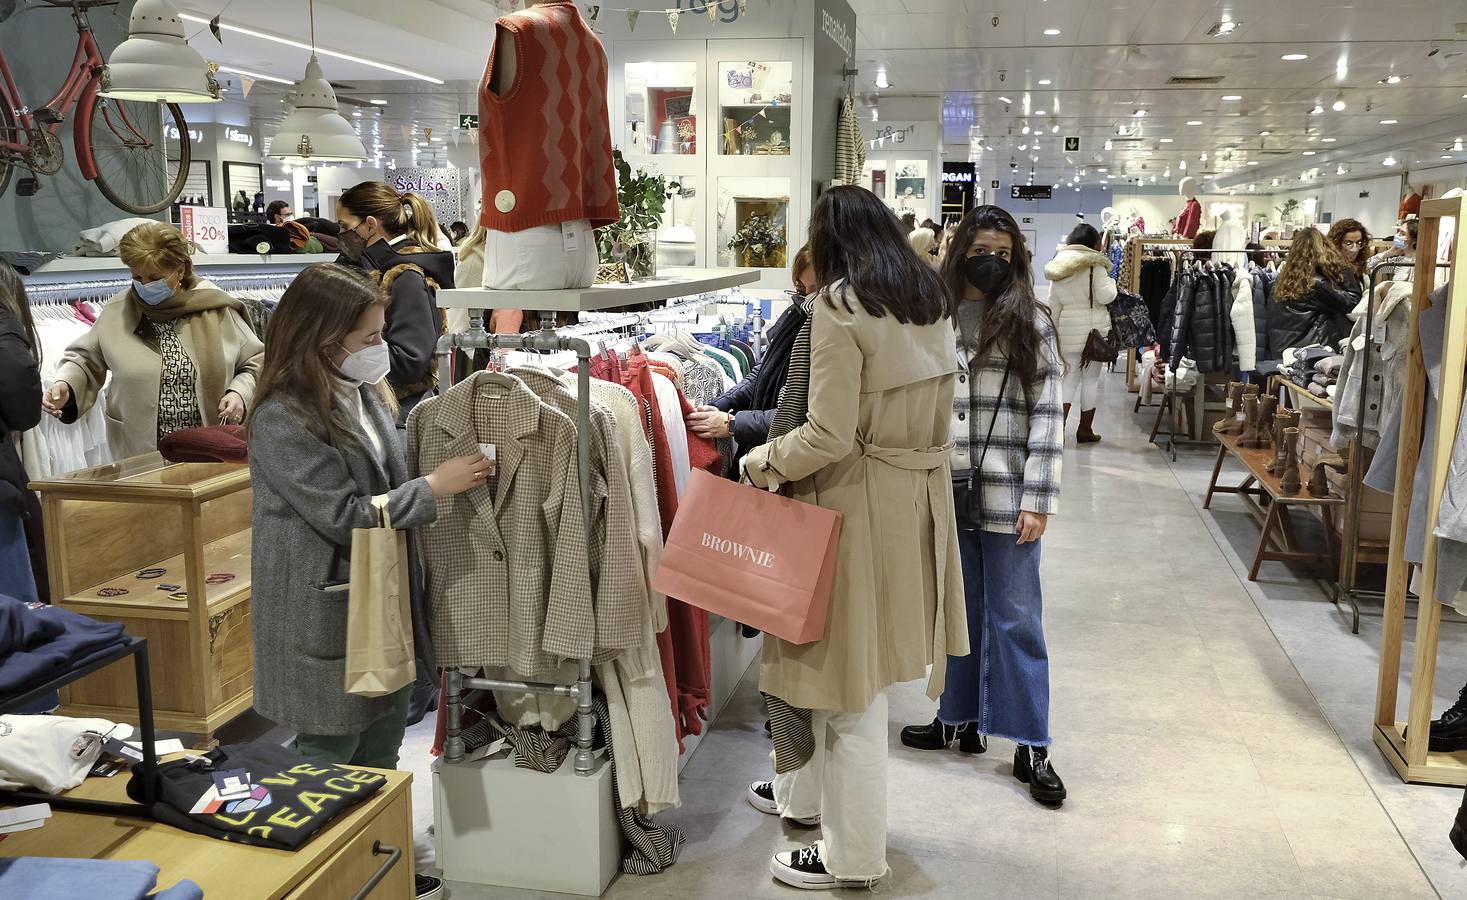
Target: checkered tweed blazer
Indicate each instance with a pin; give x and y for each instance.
(508, 571)
(1021, 471)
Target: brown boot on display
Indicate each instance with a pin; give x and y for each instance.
(1319, 481)
(1086, 435)
(1267, 406)
(1250, 421)
(1281, 420)
(1232, 423)
(1289, 482)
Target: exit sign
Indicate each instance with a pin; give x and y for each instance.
(1072, 144)
(468, 122)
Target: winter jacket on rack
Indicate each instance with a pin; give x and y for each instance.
(1182, 302)
(1385, 383)
(1262, 283)
(1080, 290)
(20, 408)
(1320, 317)
(1207, 332)
(412, 277)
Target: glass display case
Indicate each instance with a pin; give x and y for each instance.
(874, 178)
(661, 108)
(753, 222)
(910, 189)
(677, 239)
(755, 101)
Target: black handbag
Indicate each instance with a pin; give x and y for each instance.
(968, 496)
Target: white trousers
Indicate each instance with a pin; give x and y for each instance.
(844, 784)
(536, 259)
(1082, 386)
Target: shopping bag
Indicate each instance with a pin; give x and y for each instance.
(752, 556)
(1131, 321)
(379, 623)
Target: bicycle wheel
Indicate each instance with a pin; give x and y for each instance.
(10, 134)
(141, 151)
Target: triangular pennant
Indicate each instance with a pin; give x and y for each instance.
(214, 29)
(595, 10)
(632, 19)
(711, 8)
(762, 115)
(246, 85)
(672, 15)
(743, 7)
(427, 134)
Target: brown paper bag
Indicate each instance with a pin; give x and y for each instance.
(379, 623)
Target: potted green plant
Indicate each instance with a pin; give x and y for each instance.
(759, 242)
(632, 239)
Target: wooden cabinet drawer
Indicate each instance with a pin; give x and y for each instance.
(341, 876)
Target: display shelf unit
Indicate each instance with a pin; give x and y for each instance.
(675, 282)
(68, 265)
(165, 549)
(1404, 744)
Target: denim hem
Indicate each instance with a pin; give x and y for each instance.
(1008, 737)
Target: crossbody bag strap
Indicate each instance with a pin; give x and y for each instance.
(1002, 391)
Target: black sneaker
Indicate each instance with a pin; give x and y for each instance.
(427, 887)
(804, 869)
(761, 797)
(1032, 766)
(1449, 732)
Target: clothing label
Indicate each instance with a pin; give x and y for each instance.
(232, 784)
(490, 452)
(570, 240)
(124, 752)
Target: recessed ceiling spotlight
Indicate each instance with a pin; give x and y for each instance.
(1223, 28)
(1005, 100)
(1252, 162)
(1101, 169)
(1390, 121)
(1165, 140)
(1139, 114)
(1393, 78)
(1194, 121)
(356, 113)
(1051, 32)
(1275, 182)
(1388, 161)
(1108, 144)
(1252, 188)
(1038, 112)
(376, 102)
(1232, 96)
(1264, 133)
(1340, 169)
(1308, 152)
(1045, 82)
(1339, 104)
(1207, 177)
(1328, 140)
(1023, 147)
(1457, 146)
(1025, 129)
(1054, 129)
(881, 81)
(1182, 165)
(1294, 57)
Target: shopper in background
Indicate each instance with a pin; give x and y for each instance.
(322, 445)
(874, 446)
(457, 232)
(745, 410)
(181, 353)
(1009, 429)
(394, 237)
(278, 213)
(1350, 238)
(909, 222)
(1080, 292)
(20, 410)
(1402, 249)
(1314, 295)
(923, 242)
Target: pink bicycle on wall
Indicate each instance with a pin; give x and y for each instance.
(136, 153)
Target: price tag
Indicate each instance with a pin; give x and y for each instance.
(206, 226)
(569, 237)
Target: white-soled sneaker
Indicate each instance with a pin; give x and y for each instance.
(761, 797)
(804, 869)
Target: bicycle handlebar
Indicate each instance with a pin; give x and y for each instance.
(80, 4)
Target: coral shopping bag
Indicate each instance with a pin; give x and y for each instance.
(752, 556)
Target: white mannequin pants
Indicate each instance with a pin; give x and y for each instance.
(1082, 386)
(536, 259)
(845, 784)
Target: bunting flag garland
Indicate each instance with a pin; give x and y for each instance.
(743, 7)
(214, 29)
(594, 10)
(896, 137)
(632, 15)
(246, 85)
(428, 134)
(672, 15)
(712, 9)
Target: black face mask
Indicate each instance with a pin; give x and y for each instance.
(352, 245)
(986, 272)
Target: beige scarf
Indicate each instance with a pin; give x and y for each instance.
(201, 310)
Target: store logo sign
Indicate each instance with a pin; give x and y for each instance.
(957, 177)
(419, 185)
(761, 558)
(835, 29)
(728, 9)
(239, 137)
(194, 135)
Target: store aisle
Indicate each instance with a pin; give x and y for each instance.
(1198, 759)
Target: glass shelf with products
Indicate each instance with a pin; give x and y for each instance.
(755, 104)
(661, 108)
(753, 222)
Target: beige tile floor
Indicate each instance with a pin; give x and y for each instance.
(1200, 760)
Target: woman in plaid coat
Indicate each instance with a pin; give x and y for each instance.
(1008, 432)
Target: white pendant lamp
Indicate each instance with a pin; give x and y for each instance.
(156, 63)
(315, 130)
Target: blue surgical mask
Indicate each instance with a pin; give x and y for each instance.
(152, 292)
(1400, 242)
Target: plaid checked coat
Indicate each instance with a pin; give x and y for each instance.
(509, 578)
(1021, 471)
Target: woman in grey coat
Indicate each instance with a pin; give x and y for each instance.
(322, 445)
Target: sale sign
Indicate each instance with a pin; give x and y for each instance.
(205, 226)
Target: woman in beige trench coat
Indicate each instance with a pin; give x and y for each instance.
(875, 447)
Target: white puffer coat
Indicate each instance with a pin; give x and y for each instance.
(1080, 289)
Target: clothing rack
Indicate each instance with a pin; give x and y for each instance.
(1345, 587)
(58, 291)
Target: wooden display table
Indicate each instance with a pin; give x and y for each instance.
(1264, 500)
(333, 865)
(165, 549)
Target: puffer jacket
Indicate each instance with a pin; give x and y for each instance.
(1208, 331)
(1262, 293)
(1080, 290)
(1183, 308)
(1320, 317)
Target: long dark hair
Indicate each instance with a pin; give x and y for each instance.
(13, 300)
(856, 237)
(1084, 235)
(1011, 325)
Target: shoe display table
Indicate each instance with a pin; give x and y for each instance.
(1270, 506)
(371, 839)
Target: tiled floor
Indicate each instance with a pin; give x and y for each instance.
(1214, 734)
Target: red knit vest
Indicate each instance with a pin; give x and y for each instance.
(545, 144)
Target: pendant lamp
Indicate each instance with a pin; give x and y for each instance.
(156, 63)
(315, 130)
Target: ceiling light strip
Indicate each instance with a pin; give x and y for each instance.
(290, 42)
(258, 76)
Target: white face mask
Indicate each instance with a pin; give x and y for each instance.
(368, 365)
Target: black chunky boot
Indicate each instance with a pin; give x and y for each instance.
(1449, 732)
(937, 736)
(1032, 766)
(1458, 833)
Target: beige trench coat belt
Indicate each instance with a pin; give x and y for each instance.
(939, 501)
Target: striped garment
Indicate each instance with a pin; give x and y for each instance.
(1021, 471)
(850, 147)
